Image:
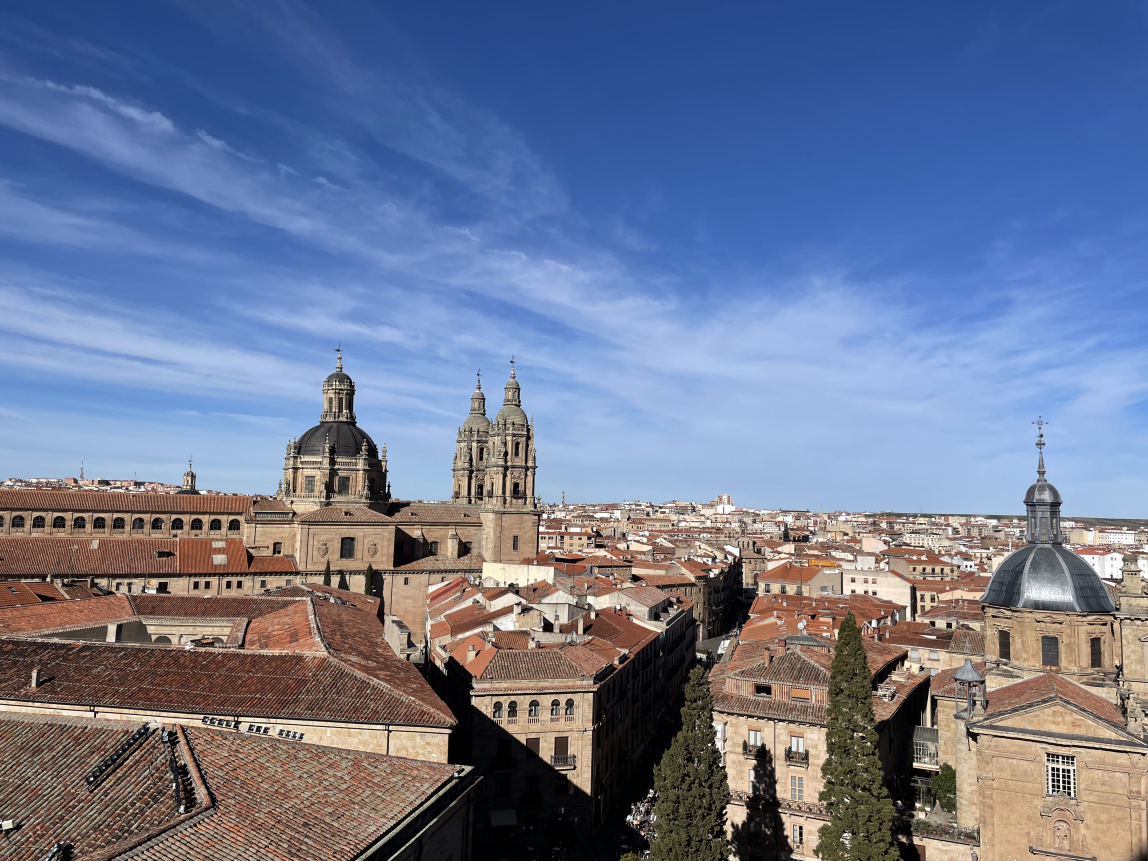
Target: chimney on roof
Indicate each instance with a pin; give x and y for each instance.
(593, 612)
(470, 653)
(35, 677)
(581, 624)
(531, 643)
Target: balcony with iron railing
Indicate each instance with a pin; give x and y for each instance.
(569, 761)
(799, 758)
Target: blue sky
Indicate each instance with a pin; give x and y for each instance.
(810, 254)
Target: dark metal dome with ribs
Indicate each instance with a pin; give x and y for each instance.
(347, 438)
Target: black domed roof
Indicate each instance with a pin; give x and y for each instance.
(1042, 491)
(339, 377)
(1047, 577)
(345, 436)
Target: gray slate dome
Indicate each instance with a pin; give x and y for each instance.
(511, 413)
(346, 437)
(339, 377)
(1048, 577)
(1042, 491)
(480, 422)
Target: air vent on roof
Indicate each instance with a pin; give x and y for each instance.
(218, 543)
(95, 544)
(218, 558)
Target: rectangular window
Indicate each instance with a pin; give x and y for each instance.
(752, 788)
(824, 590)
(933, 656)
(754, 737)
(344, 484)
(1004, 645)
(288, 582)
(1049, 652)
(768, 589)
(1097, 653)
(797, 743)
(561, 784)
(783, 588)
(800, 694)
(562, 745)
(228, 584)
(309, 484)
(798, 835)
(796, 788)
(531, 784)
(1061, 774)
(262, 584)
(163, 586)
(346, 548)
(277, 548)
(434, 548)
(763, 690)
(195, 585)
(514, 542)
(534, 745)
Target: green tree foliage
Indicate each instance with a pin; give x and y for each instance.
(630, 856)
(369, 580)
(860, 826)
(327, 574)
(692, 787)
(944, 787)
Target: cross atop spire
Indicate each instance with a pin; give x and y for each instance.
(512, 366)
(1040, 444)
(339, 355)
(478, 385)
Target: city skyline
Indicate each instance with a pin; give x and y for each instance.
(745, 253)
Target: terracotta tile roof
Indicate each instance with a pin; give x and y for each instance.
(339, 596)
(1047, 687)
(902, 688)
(62, 615)
(967, 641)
(216, 681)
(159, 557)
(14, 593)
(267, 504)
(344, 514)
(434, 512)
(101, 502)
(788, 573)
(45, 764)
(290, 629)
(472, 617)
(215, 607)
(532, 665)
(281, 800)
(587, 657)
(511, 639)
(662, 581)
(273, 565)
(647, 596)
(944, 685)
(469, 563)
(618, 630)
(268, 798)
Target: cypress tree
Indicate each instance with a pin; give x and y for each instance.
(327, 574)
(692, 786)
(860, 811)
(369, 580)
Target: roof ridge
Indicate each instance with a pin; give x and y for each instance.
(340, 660)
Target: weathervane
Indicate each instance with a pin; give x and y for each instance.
(1040, 423)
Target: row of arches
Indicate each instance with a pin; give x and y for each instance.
(533, 709)
(99, 524)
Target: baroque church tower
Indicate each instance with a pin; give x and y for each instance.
(335, 461)
(495, 462)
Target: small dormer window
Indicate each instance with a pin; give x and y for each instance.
(763, 690)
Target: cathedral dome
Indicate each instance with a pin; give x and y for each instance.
(477, 419)
(347, 437)
(339, 377)
(479, 422)
(512, 401)
(1044, 574)
(1047, 577)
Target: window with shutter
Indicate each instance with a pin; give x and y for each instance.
(562, 746)
(1004, 645)
(1049, 652)
(1097, 653)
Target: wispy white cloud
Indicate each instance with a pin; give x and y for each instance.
(661, 391)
